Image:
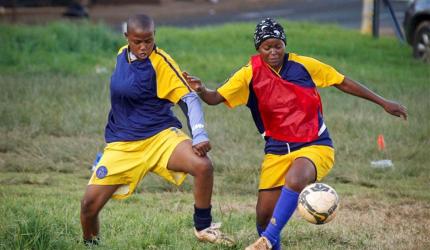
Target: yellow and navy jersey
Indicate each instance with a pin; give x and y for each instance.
(142, 93)
(301, 70)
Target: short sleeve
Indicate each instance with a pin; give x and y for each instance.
(323, 75)
(170, 83)
(236, 89)
(122, 49)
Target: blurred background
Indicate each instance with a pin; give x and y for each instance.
(347, 13)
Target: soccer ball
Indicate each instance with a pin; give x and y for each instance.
(318, 203)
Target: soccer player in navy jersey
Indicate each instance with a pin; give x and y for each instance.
(143, 135)
(280, 90)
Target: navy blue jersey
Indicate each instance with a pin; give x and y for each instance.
(142, 95)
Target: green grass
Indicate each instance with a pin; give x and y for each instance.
(54, 101)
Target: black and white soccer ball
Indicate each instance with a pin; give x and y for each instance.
(318, 203)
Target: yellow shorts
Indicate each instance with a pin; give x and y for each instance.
(127, 163)
(274, 167)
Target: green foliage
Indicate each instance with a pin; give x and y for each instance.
(54, 102)
(31, 227)
(62, 47)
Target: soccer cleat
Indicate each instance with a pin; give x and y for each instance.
(261, 244)
(214, 235)
(92, 242)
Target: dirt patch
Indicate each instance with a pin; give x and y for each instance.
(362, 222)
(391, 225)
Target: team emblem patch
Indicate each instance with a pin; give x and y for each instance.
(101, 172)
(273, 221)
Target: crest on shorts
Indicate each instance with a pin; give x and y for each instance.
(101, 172)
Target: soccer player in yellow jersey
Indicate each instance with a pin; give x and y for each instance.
(280, 90)
(143, 135)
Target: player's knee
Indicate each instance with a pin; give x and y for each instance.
(296, 183)
(204, 168)
(300, 174)
(88, 207)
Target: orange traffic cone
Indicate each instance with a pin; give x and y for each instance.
(381, 142)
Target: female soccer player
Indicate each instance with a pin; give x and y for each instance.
(143, 135)
(280, 90)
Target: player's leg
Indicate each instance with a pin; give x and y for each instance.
(275, 207)
(94, 199)
(106, 179)
(302, 167)
(183, 159)
(266, 202)
(301, 173)
(116, 175)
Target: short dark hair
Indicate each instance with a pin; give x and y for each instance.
(140, 21)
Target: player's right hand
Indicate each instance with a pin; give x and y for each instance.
(395, 109)
(194, 82)
(202, 148)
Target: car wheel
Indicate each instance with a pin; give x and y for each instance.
(421, 44)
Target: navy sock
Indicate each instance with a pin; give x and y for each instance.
(260, 230)
(202, 218)
(284, 208)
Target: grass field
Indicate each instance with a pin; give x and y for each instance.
(54, 101)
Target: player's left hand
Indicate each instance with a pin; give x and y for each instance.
(194, 82)
(202, 148)
(396, 109)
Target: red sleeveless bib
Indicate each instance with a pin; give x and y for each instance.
(289, 112)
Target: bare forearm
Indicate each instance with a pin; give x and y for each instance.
(209, 96)
(354, 88)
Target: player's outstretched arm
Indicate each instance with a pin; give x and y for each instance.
(354, 88)
(211, 97)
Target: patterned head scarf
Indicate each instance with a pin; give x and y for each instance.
(268, 28)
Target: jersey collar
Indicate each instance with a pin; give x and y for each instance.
(131, 57)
